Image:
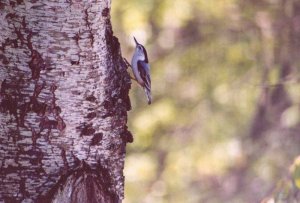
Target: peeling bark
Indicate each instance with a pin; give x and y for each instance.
(63, 102)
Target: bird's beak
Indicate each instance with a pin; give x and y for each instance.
(136, 42)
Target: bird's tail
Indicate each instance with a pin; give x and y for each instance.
(148, 94)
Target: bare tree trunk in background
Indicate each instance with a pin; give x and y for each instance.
(280, 44)
(268, 137)
(63, 102)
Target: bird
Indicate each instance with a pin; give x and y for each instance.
(141, 69)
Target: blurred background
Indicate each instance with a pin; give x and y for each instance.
(225, 122)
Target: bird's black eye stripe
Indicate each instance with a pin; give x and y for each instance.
(146, 55)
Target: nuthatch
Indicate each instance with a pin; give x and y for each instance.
(141, 69)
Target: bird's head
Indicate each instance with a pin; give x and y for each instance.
(140, 51)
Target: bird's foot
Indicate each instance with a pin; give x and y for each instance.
(126, 62)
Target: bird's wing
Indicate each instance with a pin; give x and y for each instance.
(144, 70)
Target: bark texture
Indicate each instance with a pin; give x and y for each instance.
(63, 102)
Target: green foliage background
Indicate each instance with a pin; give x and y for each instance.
(224, 124)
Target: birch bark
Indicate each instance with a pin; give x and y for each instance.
(63, 102)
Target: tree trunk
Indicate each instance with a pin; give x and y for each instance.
(63, 102)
